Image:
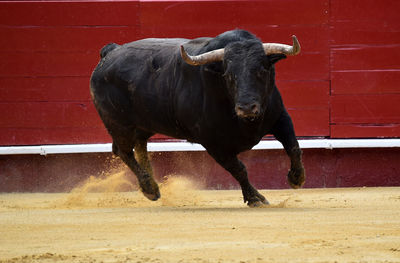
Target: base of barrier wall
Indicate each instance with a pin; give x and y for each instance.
(267, 169)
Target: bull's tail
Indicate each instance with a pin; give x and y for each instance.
(107, 48)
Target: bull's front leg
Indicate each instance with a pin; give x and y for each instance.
(234, 166)
(284, 132)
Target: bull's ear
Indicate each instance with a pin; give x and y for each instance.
(273, 58)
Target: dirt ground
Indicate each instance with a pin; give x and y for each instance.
(98, 222)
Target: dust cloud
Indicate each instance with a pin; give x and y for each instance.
(119, 189)
(180, 191)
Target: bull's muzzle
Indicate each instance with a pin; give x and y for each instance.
(248, 111)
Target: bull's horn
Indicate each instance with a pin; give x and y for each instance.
(205, 58)
(273, 48)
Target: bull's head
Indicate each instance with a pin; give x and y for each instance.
(248, 68)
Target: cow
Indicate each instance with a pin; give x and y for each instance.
(218, 92)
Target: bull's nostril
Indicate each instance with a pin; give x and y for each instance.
(239, 109)
(255, 109)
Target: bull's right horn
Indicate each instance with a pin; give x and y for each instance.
(273, 48)
(205, 58)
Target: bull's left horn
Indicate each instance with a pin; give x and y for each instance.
(205, 58)
(273, 48)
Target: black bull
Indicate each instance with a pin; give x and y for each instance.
(225, 99)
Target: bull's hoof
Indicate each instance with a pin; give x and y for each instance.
(150, 189)
(255, 199)
(152, 197)
(258, 203)
(296, 178)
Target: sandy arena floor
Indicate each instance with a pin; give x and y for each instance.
(189, 225)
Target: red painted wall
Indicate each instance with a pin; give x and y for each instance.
(344, 83)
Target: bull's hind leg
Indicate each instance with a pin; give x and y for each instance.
(123, 147)
(233, 165)
(142, 156)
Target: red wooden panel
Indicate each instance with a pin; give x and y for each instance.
(304, 94)
(365, 109)
(364, 131)
(40, 136)
(67, 39)
(365, 13)
(310, 122)
(27, 64)
(49, 115)
(365, 82)
(356, 57)
(37, 89)
(366, 22)
(208, 14)
(69, 13)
